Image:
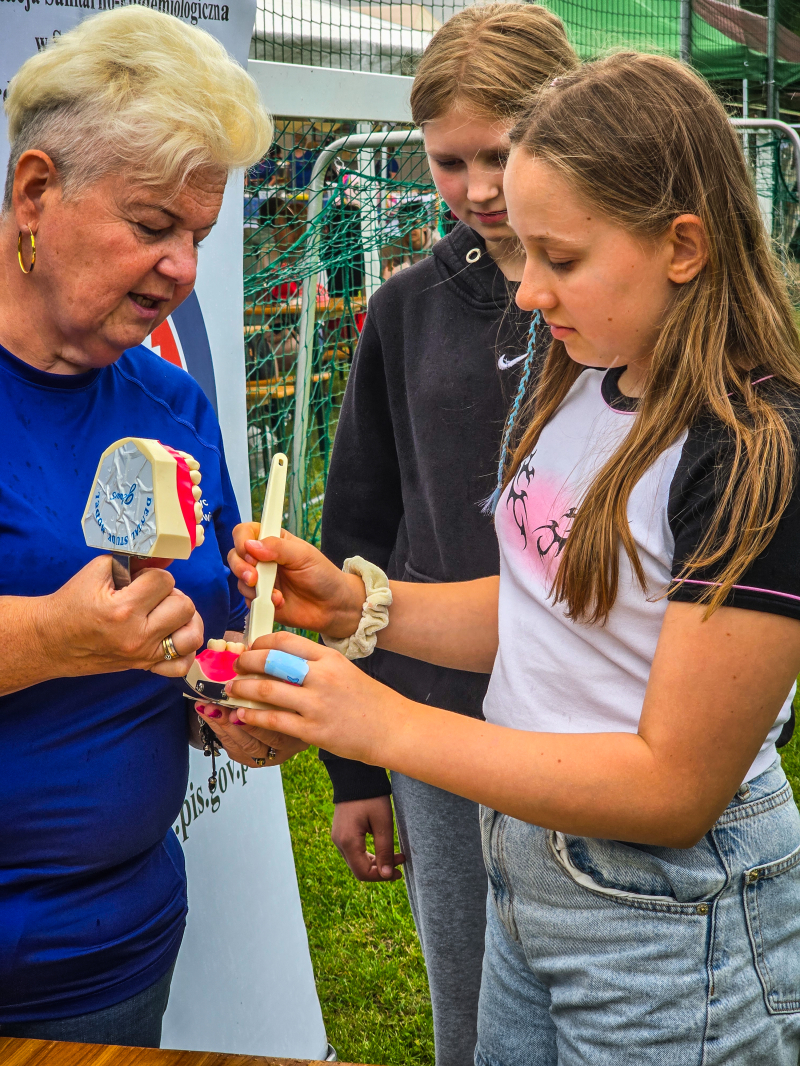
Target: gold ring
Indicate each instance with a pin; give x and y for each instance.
(169, 649)
(260, 762)
(271, 753)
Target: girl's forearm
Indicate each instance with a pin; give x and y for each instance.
(604, 785)
(453, 625)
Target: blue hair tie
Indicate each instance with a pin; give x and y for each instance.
(490, 505)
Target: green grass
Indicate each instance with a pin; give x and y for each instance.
(790, 757)
(366, 956)
(364, 948)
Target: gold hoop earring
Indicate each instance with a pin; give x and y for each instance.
(33, 254)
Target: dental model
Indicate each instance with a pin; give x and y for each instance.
(215, 666)
(145, 502)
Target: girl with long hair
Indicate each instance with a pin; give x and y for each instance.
(438, 362)
(641, 840)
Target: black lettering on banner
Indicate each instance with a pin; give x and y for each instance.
(186, 819)
(196, 803)
(193, 10)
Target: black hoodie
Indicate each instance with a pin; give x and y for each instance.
(416, 452)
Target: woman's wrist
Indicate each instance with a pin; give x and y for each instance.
(30, 658)
(374, 610)
(397, 730)
(346, 615)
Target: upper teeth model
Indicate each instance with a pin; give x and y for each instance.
(145, 501)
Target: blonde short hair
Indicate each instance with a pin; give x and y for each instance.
(138, 90)
(487, 59)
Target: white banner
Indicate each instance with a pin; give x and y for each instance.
(243, 982)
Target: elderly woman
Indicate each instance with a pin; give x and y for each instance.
(123, 134)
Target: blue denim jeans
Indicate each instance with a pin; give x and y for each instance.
(601, 953)
(135, 1022)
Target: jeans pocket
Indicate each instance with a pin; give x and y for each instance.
(658, 879)
(772, 908)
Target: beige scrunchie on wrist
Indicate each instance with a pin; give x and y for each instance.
(374, 613)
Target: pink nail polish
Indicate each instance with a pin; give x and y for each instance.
(234, 721)
(212, 712)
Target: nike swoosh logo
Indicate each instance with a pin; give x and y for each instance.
(504, 363)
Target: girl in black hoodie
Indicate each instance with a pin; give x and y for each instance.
(416, 453)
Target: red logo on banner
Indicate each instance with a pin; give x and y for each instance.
(164, 342)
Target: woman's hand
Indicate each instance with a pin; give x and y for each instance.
(338, 706)
(105, 630)
(89, 627)
(310, 592)
(246, 743)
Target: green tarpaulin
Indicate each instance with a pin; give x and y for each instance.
(728, 42)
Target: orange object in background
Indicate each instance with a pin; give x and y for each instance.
(55, 1053)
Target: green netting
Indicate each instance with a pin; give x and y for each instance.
(726, 42)
(378, 213)
(772, 165)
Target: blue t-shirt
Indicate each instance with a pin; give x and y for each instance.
(302, 167)
(92, 881)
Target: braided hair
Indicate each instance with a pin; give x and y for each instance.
(490, 505)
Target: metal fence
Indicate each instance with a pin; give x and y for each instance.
(751, 47)
(375, 212)
(374, 208)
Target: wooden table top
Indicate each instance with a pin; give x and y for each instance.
(55, 1053)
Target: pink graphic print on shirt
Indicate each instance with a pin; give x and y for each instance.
(536, 519)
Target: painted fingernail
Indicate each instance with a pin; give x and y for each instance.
(212, 712)
(233, 720)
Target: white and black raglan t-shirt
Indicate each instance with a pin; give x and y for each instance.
(555, 675)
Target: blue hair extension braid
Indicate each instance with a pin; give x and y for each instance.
(491, 504)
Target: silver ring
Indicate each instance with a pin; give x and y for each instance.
(169, 649)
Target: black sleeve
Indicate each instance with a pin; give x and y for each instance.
(363, 509)
(354, 780)
(363, 496)
(772, 582)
